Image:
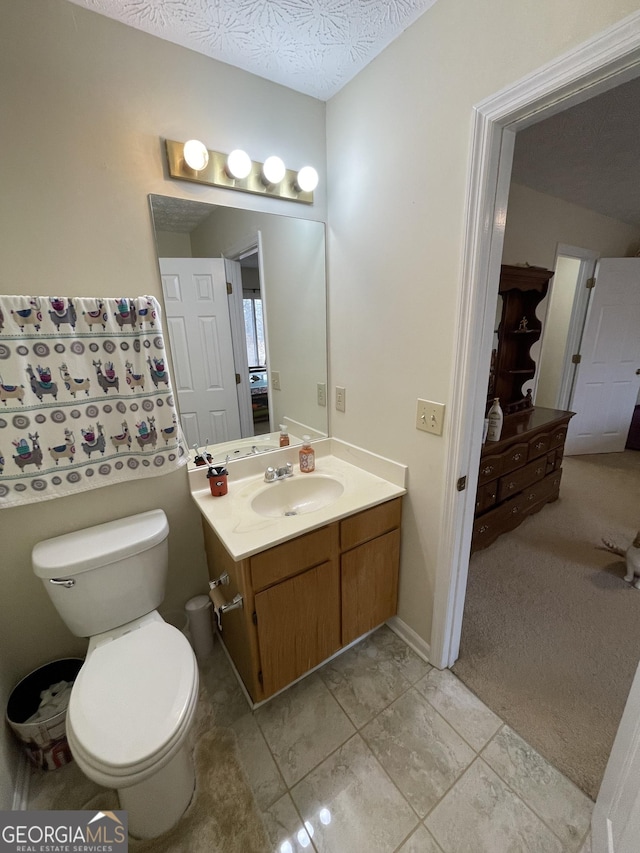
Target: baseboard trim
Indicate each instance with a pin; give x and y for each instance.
(21, 788)
(410, 637)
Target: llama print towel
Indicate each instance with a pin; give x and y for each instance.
(85, 396)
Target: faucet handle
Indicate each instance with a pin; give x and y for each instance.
(270, 475)
(289, 468)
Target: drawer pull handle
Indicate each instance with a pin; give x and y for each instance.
(511, 485)
(539, 444)
(488, 469)
(517, 456)
(515, 510)
(539, 470)
(531, 496)
(483, 528)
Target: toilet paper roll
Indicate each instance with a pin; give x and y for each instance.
(217, 597)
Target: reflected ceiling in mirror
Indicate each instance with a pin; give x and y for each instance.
(245, 307)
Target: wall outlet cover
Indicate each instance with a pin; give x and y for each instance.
(275, 380)
(341, 398)
(322, 393)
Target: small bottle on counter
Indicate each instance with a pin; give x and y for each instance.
(495, 418)
(307, 456)
(284, 436)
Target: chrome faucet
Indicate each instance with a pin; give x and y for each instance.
(273, 474)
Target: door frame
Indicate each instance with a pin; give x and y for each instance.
(605, 61)
(582, 296)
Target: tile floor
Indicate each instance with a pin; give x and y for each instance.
(378, 752)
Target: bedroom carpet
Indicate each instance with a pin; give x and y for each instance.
(551, 631)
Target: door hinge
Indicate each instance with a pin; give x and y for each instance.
(238, 379)
(229, 288)
(254, 617)
(576, 359)
(591, 282)
(461, 485)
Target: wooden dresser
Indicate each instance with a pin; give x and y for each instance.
(520, 473)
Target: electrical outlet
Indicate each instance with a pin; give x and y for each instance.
(341, 395)
(275, 380)
(322, 393)
(430, 416)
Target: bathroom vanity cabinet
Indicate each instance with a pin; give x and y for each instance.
(307, 598)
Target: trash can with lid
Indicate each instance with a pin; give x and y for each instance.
(37, 712)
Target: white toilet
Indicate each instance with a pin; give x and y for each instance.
(133, 702)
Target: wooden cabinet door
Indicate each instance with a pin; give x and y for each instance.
(298, 624)
(369, 585)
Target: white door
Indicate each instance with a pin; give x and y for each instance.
(197, 312)
(606, 387)
(615, 823)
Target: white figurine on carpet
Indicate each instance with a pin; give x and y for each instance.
(632, 557)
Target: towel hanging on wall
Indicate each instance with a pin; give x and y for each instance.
(85, 396)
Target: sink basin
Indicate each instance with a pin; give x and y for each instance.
(297, 495)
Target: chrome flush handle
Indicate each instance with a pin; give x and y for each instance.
(65, 582)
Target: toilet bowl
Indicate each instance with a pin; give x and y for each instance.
(130, 712)
(133, 702)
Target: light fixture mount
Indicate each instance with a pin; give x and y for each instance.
(215, 174)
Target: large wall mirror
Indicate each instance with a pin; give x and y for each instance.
(245, 308)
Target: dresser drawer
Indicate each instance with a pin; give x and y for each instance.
(514, 482)
(486, 496)
(558, 436)
(539, 444)
(490, 468)
(515, 457)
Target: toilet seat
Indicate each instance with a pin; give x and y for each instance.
(132, 703)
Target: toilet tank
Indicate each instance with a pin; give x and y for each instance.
(114, 572)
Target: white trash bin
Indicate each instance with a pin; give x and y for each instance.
(199, 611)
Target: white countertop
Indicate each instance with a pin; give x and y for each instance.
(367, 479)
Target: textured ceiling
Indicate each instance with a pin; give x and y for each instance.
(312, 46)
(588, 154)
(178, 214)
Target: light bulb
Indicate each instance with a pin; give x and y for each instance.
(273, 170)
(307, 179)
(195, 155)
(238, 164)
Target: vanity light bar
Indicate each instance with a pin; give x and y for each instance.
(215, 173)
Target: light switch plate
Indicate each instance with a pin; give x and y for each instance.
(322, 393)
(341, 398)
(275, 380)
(430, 416)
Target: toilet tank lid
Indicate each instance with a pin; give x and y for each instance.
(82, 550)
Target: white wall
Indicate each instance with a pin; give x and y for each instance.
(537, 222)
(398, 139)
(85, 104)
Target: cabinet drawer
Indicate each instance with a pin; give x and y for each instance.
(514, 482)
(292, 557)
(370, 523)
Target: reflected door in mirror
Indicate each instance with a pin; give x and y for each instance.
(197, 315)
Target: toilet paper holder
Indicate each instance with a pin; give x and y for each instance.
(222, 580)
(221, 606)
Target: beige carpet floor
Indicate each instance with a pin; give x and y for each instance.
(551, 631)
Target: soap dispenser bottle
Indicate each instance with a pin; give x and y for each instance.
(496, 418)
(307, 456)
(284, 436)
